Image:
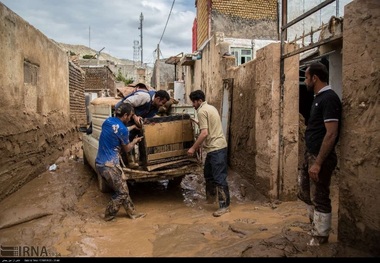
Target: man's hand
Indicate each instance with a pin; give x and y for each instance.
(138, 139)
(138, 120)
(314, 172)
(191, 151)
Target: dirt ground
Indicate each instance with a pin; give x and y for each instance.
(60, 213)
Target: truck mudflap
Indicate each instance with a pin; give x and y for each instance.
(133, 174)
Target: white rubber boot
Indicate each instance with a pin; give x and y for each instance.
(321, 228)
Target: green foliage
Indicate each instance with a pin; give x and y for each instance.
(72, 53)
(88, 56)
(120, 77)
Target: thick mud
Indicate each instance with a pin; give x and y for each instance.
(61, 214)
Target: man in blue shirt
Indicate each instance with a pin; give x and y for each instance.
(113, 139)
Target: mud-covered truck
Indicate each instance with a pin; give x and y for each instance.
(161, 155)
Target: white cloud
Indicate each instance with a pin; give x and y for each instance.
(112, 24)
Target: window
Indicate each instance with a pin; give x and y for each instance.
(242, 55)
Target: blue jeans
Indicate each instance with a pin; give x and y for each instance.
(215, 174)
(215, 168)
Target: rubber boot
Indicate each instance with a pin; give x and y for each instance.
(131, 211)
(210, 193)
(110, 212)
(223, 194)
(321, 229)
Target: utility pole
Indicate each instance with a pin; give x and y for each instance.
(158, 68)
(89, 36)
(141, 36)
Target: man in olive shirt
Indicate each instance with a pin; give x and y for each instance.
(215, 146)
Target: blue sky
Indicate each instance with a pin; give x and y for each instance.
(113, 24)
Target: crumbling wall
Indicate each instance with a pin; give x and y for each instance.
(359, 213)
(35, 122)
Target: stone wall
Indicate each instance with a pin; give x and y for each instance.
(359, 213)
(35, 112)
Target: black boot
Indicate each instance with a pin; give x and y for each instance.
(110, 212)
(224, 201)
(210, 192)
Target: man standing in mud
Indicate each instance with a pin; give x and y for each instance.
(112, 140)
(321, 136)
(215, 145)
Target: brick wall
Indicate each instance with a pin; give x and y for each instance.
(77, 98)
(98, 79)
(237, 18)
(202, 21)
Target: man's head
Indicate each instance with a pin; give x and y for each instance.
(124, 112)
(197, 97)
(316, 77)
(160, 98)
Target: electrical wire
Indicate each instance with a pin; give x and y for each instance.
(166, 23)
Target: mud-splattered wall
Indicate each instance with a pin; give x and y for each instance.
(34, 105)
(259, 120)
(255, 131)
(359, 198)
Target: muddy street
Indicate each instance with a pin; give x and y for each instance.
(60, 213)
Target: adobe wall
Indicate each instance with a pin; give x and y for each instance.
(35, 123)
(255, 114)
(359, 213)
(256, 127)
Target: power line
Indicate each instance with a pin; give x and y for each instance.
(166, 23)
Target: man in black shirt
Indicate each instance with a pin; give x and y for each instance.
(321, 136)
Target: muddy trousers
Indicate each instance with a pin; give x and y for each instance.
(113, 176)
(215, 174)
(316, 195)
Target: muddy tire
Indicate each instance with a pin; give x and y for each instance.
(102, 184)
(176, 181)
(85, 161)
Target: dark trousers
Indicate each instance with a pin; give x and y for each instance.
(317, 193)
(215, 174)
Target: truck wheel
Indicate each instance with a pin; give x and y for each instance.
(85, 161)
(102, 184)
(176, 181)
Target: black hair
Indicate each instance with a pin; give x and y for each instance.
(124, 108)
(320, 71)
(162, 94)
(197, 95)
